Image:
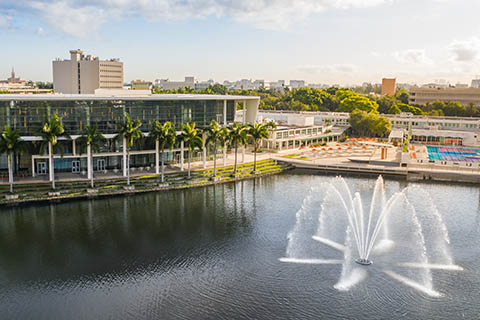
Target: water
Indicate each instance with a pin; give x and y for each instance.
(213, 253)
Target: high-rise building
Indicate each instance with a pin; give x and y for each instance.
(84, 74)
(389, 86)
(297, 84)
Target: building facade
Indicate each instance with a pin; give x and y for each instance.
(84, 74)
(389, 86)
(28, 113)
(166, 84)
(422, 96)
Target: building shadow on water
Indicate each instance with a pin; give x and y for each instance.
(85, 238)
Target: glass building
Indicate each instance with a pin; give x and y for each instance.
(28, 113)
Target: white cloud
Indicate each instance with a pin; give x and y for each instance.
(328, 69)
(413, 56)
(83, 17)
(5, 21)
(465, 50)
(82, 21)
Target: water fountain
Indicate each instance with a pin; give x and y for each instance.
(405, 233)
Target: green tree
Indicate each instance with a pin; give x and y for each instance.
(10, 144)
(385, 103)
(237, 137)
(367, 124)
(191, 137)
(257, 132)
(359, 103)
(130, 133)
(402, 95)
(165, 137)
(50, 132)
(91, 137)
(215, 135)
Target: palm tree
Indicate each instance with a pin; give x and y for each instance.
(237, 137)
(215, 135)
(10, 143)
(92, 138)
(51, 131)
(165, 136)
(130, 133)
(257, 132)
(190, 136)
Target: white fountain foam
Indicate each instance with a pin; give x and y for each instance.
(341, 219)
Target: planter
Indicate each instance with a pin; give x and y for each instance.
(11, 196)
(54, 194)
(216, 178)
(163, 185)
(129, 188)
(92, 191)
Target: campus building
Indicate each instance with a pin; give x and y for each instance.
(389, 86)
(422, 96)
(83, 74)
(28, 113)
(424, 129)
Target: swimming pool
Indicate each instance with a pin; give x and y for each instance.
(455, 154)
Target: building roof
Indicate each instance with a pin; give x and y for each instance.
(151, 97)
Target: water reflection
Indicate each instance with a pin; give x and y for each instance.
(96, 236)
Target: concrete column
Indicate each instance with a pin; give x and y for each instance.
(157, 157)
(89, 162)
(33, 167)
(182, 149)
(204, 150)
(225, 156)
(124, 157)
(74, 147)
(224, 113)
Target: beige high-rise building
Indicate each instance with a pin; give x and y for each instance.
(389, 86)
(84, 74)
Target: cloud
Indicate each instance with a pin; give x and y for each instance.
(466, 50)
(5, 20)
(413, 56)
(328, 69)
(84, 17)
(82, 22)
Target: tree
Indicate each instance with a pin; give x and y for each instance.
(130, 133)
(357, 102)
(50, 132)
(402, 95)
(385, 103)
(215, 135)
(237, 137)
(191, 137)
(91, 137)
(257, 132)
(10, 143)
(364, 123)
(165, 136)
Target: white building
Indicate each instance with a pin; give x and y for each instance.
(297, 84)
(84, 74)
(166, 84)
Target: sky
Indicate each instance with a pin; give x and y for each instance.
(321, 41)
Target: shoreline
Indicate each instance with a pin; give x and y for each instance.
(149, 185)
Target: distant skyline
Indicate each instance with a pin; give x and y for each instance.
(319, 41)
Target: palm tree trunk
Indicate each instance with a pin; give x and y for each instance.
(10, 172)
(235, 167)
(255, 158)
(90, 159)
(51, 169)
(215, 160)
(128, 166)
(156, 156)
(189, 157)
(163, 165)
